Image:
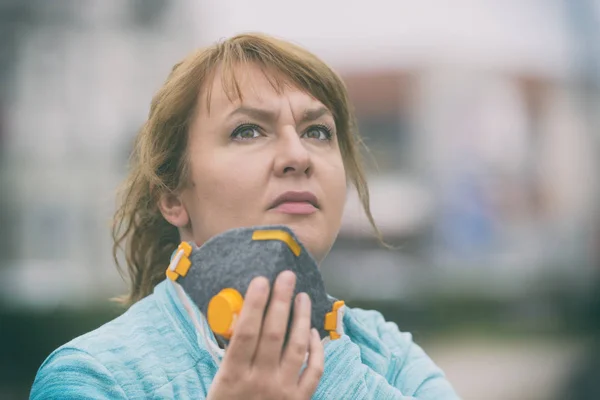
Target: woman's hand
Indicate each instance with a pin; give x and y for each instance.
(255, 365)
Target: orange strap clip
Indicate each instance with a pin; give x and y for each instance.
(180, 263)
(334, 320)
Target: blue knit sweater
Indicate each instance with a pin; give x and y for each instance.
(153, 351)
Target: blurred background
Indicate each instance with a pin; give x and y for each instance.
(482, 119)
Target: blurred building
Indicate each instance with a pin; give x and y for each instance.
(81, 79)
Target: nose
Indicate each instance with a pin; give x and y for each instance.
(292, 156)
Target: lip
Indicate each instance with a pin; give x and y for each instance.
(295, 197)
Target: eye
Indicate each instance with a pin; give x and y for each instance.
(246, 132)
(318, 132)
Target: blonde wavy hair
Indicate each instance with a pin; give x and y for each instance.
(159, 159)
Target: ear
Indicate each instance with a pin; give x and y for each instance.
(173, 210)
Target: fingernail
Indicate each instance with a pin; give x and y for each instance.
(304, 299)
(261, 284)
(287, 278)
(300, 299)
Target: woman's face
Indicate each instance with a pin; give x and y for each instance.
(271, 159)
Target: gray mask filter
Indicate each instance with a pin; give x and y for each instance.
(216, 275)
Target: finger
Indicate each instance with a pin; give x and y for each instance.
(312, 374)
(297, 345)
(268, 354)
(242, 348)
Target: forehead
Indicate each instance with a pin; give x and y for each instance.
(251, 85)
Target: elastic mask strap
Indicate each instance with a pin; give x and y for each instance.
(201, 327)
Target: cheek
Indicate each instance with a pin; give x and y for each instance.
(224, 189)
(336, 184)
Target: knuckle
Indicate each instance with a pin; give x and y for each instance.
(297, 348)
(273, 335)
(280, 300)
(229, 377)
(283, 291)
(261, 385)
(317, 371)
(244, 335)
(288, 393)
(255, 302)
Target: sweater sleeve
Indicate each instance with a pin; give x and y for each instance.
(74, 374)
(384, 363)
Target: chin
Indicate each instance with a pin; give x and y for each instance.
(314, 231)
(316, 239)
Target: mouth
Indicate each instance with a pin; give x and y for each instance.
(296, 203)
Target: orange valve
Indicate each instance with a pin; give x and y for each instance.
(223, 310)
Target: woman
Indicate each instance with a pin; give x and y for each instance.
(251, 131)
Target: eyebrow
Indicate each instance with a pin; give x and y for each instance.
(310, 114)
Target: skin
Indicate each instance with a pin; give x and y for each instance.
(235, 179)
(256, 365)
(242, 156)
